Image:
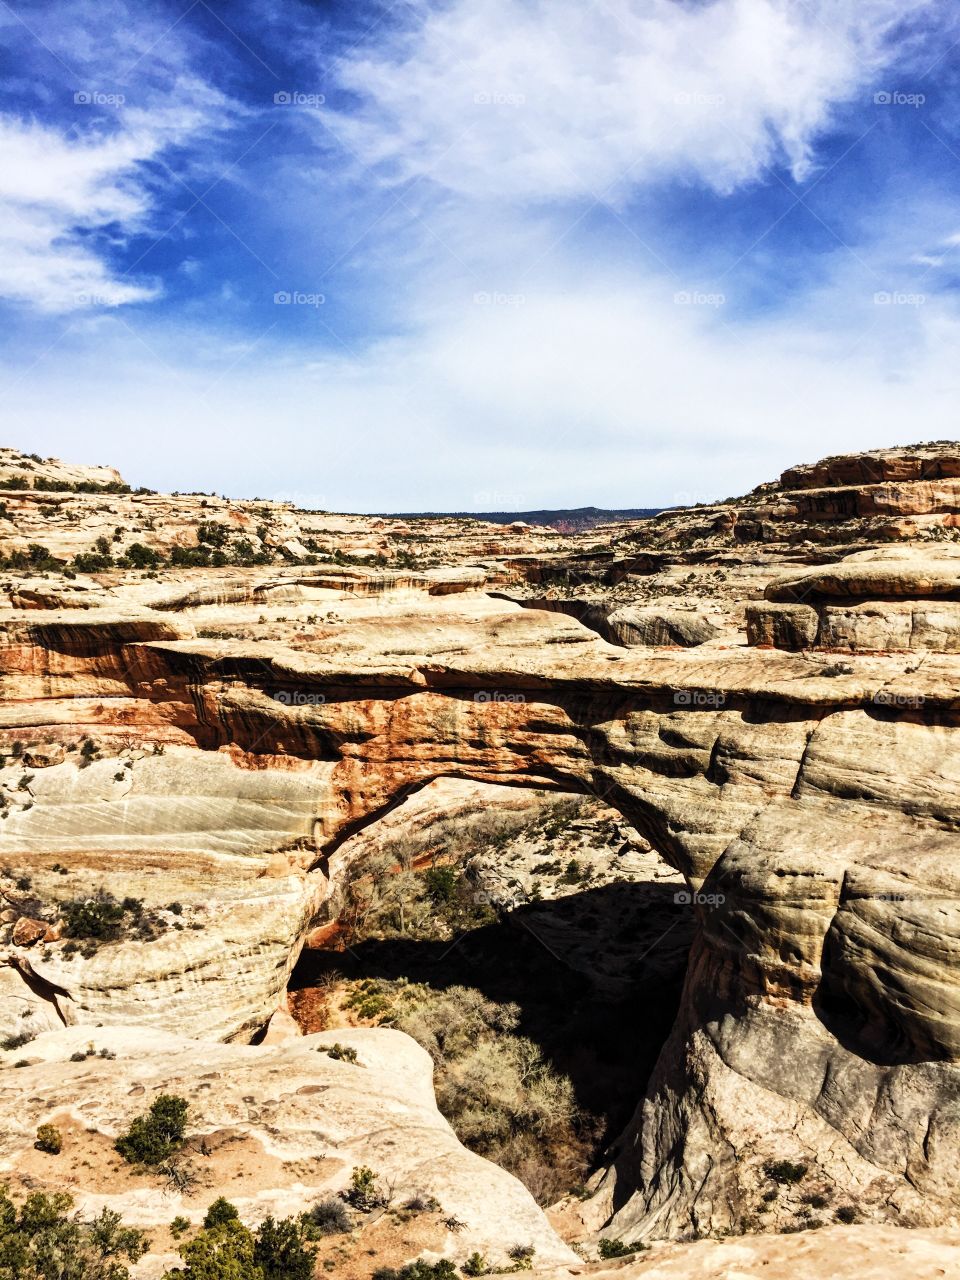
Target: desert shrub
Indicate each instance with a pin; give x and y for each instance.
(213, 534)
(281, 1252)
(221, 1253)
(363, 1192)
(49, 1139)
(522, 1256)
(616, 1249)
(16, 1041)
(441, 883)
(382, 901)
(502, 1098)
(41, 1239)
(98, 917)
(341, 1052)
(784, 1171)
(154, 1137)
(846, 1214)
(140, 556)
(227, 1250)
(475, 1265)
(444, 1269)
(179, 1226)
(90, 562)
(573, 873)
(328, 1217)
(220, 1212)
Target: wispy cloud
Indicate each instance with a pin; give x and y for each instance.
(566, 99)
(69, 198)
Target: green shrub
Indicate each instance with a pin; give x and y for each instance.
(341, 1052)
(363, 1192)
(142, 557)
(281, 1252)
(784, 1171)
(419, 1270)
(522, 1256)
(220, 1212)
(327, 1218)
(49, 1139)
(615, 1249)
(179, 1226)
(98, 917)
(221, 1253)
(475, 1265)
(227, 1250)
(17, 1041)
(442, 883)
(43, 1240)
(154, 1137)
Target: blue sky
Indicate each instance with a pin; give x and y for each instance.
(477, 253)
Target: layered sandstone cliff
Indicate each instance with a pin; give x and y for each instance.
(798, 764)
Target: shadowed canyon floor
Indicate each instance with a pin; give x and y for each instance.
(214, 712)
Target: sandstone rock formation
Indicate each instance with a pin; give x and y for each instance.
(798, 766)
(276, 1128)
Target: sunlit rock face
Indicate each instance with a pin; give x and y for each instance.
(277, 1127)
(805, 785)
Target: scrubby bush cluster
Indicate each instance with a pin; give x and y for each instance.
(385, 898)
(502, 1098)
(224, 1249)
(44, 484)
(154, 1137)
(42, 1239)
(103, 918)
(49, 1139)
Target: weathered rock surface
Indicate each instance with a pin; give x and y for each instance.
(274, 1127)
(840, 1253)
(812, 806)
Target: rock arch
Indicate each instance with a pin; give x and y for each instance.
(802, 803)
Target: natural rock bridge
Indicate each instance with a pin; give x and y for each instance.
(814, 810)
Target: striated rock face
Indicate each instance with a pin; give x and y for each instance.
(869, 602)
(815, 823)
(919, 462)
(811, 805)
(276, 1128)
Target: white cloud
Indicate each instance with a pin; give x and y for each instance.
(551, 99)
(616, 396)
(74, 187)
